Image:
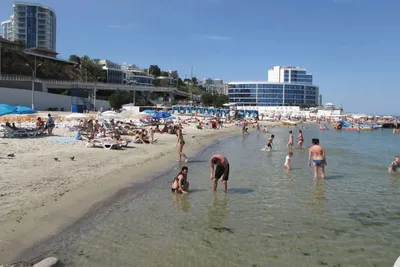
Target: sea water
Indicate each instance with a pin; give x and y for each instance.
(269, 217)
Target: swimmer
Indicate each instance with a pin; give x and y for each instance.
(180, 184)
(269, 143)
(221, 170)
(395, 165)
(265, 129)
(317, 153)
(290, 143)
(288, 161)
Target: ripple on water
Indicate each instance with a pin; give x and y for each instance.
(270, 217)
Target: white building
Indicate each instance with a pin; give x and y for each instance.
(288, 74)
(215, 86)
(6, 29)
(32, 23)
(113, 71)
(137, 75)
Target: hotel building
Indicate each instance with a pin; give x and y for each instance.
(32, 23)
(285, 86)
(215, 86)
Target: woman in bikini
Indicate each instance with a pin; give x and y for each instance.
(180, 183)
(180, 143)
(301, 139)
(316, 153)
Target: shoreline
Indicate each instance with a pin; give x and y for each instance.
(43, 219)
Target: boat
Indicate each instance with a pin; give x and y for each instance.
(361, 127)
(291, 123)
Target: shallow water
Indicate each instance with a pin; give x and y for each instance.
(268, 218)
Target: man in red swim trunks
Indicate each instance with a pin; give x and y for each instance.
(221, 170)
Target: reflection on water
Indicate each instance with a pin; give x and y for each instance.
(269, 217)
(181, 202)
(217, 212)
(318, 197)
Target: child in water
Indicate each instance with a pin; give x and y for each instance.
(269, 143)
(395, 165)
(288, 163)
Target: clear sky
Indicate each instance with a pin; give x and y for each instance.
(351, 46)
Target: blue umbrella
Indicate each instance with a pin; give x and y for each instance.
(24, 110)
(161, 115)
(148, 111)
(6, 109)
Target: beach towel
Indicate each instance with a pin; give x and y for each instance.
(65, 140)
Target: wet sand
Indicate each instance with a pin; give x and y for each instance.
(41, 197)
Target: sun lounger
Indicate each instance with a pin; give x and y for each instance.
(106, 144)
(11, 133)
(123, 143)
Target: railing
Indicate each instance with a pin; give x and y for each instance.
(12, 77)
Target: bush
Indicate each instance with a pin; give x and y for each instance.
(119, 98)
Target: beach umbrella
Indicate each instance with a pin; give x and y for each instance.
(171, 118)
(110, 114)
(148, 111)
(22, 110)
(161, 115)
(77, 116)
(6, 109)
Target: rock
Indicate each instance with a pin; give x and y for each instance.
(48, 262)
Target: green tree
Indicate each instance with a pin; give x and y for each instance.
(75, 58)
(164, 74)
(215, 100)
(194, 80)
(175, 75)
(21, 44)
(119, 98)
(90, 69)
(154, 70)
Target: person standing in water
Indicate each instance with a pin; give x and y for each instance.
(180, 143)
(288, 161)
(395, 165)
(290, 143)
(221, 170)
(317, 153)
(180, 183)
(301, 139)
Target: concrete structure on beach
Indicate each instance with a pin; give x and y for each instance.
(32, 23)
(286, 86)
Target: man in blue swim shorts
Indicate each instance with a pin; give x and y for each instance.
(317, 153)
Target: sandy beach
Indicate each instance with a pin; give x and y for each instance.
(41, 196)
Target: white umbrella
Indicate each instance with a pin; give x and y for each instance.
(77, 116)
(109, 114)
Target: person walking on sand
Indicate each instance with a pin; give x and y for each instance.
(301, 139)
(317, 153)
(290, 143)
(180, 184)
(221, 170)
(180, 143)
